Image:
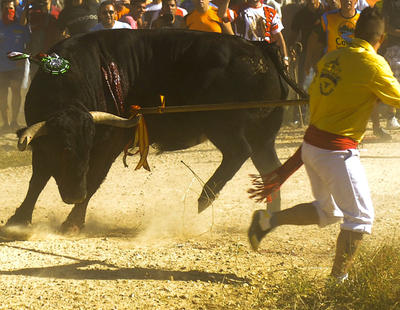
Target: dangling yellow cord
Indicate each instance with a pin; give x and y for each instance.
(141, 140)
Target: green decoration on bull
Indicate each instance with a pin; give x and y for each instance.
(54, 64)
(17, 56)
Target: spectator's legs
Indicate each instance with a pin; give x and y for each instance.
(4, 104)
(392, 55)
(392, 122)
(376, 127)
(15, 102)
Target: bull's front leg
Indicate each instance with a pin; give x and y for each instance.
(99, 167)
(39, 179)
(76, 218)
(23, 215)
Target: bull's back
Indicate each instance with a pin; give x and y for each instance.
(188, 67)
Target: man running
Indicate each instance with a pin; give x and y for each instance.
(342, 96)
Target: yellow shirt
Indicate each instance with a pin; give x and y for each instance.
(345, 87)
(339, 30)
(208, 21)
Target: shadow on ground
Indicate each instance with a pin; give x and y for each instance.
(80, 271)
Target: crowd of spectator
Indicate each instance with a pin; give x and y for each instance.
(317, 26)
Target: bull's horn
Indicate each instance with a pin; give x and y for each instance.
(113, 120)
(33, 131)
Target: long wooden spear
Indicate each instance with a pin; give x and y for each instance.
(222, 106)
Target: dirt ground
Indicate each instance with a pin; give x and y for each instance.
(145, 246)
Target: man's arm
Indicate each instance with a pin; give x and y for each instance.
(314, 52)
(222, 10)
(227, 28)
(223, 14)
(385, 86)
(23, 19)
(280, 41)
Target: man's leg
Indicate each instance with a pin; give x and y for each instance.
(346, 248)
(351, 193)
(302, 214)
(263, 222)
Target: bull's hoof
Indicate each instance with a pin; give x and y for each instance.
(18, 221)
(70, 229)
(203, 203)
(15, 232)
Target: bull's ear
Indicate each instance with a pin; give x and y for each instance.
(26, 135)
(104, 118)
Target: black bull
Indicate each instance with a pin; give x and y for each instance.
(187, 68)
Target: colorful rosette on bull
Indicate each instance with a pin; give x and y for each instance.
(54, 64)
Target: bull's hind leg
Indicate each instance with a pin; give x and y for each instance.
(39, 179)
(265, 160)
(261, 138)
(235, 151)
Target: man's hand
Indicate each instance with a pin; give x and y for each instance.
(286, 62)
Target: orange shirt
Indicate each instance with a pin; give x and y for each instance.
(123, 12)
(208, 21)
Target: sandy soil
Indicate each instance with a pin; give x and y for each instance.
(145, 246)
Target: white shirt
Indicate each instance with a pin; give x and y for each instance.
(255, 24)
(117, 25)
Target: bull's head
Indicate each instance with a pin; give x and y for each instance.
(68, 137)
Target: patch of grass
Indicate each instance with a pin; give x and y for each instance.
(15, 159)
(374, 283)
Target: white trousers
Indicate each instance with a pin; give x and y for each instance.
(340, 187)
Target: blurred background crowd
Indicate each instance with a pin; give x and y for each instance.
(304, 30)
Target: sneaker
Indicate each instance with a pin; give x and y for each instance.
(392, 123)
(256, 232)
(380, 133)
